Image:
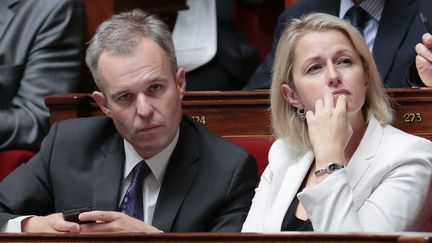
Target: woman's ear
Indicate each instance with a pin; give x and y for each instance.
(291, 97)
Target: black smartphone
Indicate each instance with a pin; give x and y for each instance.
(72, 215)
(426, 23)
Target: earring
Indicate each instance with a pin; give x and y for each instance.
(301, 114)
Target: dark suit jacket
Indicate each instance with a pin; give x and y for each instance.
(40, 54)
(208, 185)
(399, 30)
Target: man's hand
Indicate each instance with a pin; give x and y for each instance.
(108, 221)
(50, 224)
(424, 59)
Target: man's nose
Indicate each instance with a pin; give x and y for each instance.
(144, 106)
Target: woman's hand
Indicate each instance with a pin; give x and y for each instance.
(329, 130)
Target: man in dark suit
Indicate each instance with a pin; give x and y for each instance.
(196, 180)
(399, 30)
(41, 52)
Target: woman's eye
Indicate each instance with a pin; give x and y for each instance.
(313, 68)
(345, 61)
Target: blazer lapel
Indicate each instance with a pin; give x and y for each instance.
(365, 153)
(294, 175)
(6, 15)
(179, 176)
(395, 22)
(107, 174)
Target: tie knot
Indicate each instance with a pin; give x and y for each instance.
(358, 17)
(139, 172)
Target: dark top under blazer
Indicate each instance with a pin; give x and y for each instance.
(399, 30)
(208, 185)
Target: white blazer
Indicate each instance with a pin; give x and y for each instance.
(383, 187)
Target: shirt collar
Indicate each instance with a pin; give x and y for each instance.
(373, 7)
(157, 163)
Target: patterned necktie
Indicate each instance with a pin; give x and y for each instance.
(132, 203)
(358, 17)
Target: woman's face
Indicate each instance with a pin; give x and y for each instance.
(326, 62)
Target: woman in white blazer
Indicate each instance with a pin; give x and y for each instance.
(337, 165)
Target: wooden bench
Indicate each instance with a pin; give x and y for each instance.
(242, 114)
(244, 117)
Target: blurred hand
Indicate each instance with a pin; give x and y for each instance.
(329, 130)
(110, 221)
(424, 59)
(48, 224)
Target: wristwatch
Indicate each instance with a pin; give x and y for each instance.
(332, 167)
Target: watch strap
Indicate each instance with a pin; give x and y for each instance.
(330, 168)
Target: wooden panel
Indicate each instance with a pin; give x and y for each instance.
(216, 237)
(246, 114)
(413, 110)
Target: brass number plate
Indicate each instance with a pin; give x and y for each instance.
(200, 119)
(413, 117)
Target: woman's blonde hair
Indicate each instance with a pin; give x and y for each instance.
(284, 120)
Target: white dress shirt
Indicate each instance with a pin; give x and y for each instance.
(195, 34)
(151, 186)
(152, 183)
(374, 8)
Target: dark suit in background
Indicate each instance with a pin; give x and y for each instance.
(41, 43)
(208, 184)
(235, 60)
(399, 30)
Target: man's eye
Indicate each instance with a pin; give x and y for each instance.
(155, 87)
(124, 97)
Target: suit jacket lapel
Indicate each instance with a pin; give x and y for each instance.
(365, 152)
(395, 22)
(6, 15)
(179, 176)
(107, 174)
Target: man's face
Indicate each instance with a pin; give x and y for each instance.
(143, 96)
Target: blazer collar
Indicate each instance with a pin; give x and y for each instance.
(179, 176)
(108, 173)
(297, 167)
(366, 151)
(6, 14)
(289, 185)
(393, 27)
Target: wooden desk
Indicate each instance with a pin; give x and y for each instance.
(245, 113)
(217, 237)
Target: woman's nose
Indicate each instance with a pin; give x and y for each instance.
(333, 76)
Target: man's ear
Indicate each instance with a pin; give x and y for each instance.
(291, 96)
(99, 97)
(181, 81)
